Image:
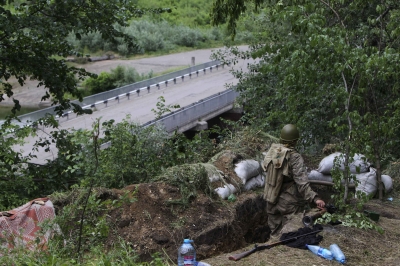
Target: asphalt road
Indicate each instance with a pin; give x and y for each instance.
(140, 108)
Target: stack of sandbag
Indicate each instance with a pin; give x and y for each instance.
(360, 167)
(251, 174)
(359, 163)
(323, 173)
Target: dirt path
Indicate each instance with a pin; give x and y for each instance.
(30, 95)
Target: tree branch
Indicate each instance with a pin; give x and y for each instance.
(338, 17)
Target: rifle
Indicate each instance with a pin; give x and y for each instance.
(256, 248)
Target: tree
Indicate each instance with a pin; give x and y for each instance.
(33, 38)
(332, 67)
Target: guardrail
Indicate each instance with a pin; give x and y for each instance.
(127, 91)
(214, 104)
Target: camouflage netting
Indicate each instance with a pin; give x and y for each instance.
(78, 196)
(189, 178)
(248, 144)
(220, 169)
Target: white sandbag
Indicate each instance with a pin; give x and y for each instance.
(254, 182)
(387, 182)
(326, 164)
(226, 191)
(367, 182)
(315, 175)
(360, 161)
(247, 169)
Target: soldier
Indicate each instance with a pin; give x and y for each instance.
(287, 190)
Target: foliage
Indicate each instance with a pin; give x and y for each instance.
(136, 153)
(150, 36)
(32, 32)
(62, 246)
(193, 13)
(103, 82)
(330, 67)
(118, 77)
(348, 213)
(230, 11)
(162, 108)
(16, 189)
(189, 179)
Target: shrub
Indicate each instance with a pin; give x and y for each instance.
(104, 82)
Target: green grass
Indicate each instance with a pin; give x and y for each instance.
(6, 110)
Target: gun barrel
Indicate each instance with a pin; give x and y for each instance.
(308, 220)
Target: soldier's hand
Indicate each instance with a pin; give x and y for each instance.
(320, 203)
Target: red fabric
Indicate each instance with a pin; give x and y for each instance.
(19, 226)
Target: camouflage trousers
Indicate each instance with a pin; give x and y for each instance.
(279, 213)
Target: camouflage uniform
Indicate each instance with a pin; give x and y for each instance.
(287, 190)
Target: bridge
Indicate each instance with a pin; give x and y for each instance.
(199, 90)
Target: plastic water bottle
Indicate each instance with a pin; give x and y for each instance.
(186, 254)
(337, 253)
(320, 251)
(199, 263)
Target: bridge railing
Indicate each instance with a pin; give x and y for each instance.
(195, 111)
(127, 91)
(187, 115)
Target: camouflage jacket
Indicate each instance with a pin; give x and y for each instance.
(286, 172)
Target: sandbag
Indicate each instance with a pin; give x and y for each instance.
(367, 182)
(326, 164)
(387, 182)
(247, 169)
(226, 191)
(254, 182)
(315, 175)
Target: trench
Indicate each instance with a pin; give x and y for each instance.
(247, 225)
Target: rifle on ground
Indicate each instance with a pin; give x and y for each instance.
(268, 246)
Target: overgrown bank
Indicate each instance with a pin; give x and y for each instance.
(147, 221)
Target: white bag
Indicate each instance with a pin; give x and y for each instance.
(226, 191)
(254, 182)
(367, 182)
(247, 169)
(315, 175)
(387, 182)
(326, 164)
